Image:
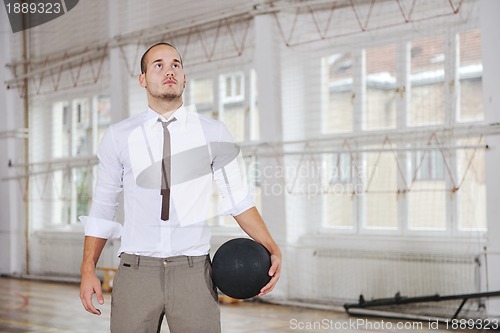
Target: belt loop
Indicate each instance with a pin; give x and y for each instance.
(190, 261)
(137, 260)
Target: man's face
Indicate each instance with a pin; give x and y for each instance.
(164, 77)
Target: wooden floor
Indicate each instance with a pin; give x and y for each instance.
(47, 307)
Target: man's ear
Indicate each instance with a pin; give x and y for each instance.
(142, 80)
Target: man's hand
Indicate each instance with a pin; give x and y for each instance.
(90, 285)
(274, 272)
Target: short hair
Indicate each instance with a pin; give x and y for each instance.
(143, 58)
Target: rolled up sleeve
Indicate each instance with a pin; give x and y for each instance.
(100, 228)
(101, 219)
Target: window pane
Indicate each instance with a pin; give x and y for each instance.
(103, 116)
(202, 92)
(338, 199)
(202, 96)
(254, 107)
(60, 203)
(237, 85)
(64, 179)
(338, 210)
(472, 192)
(427, 197)
(83, 128)
(83, 191)
(427, 207)
(381, 210)
(471, 77)
(338, 116)
(61, 129)
(428, 165)
(234, 118)
(232, 87)
(229, 86)
(427, 77)
(380, 88)
(232, 111)
(381, 190)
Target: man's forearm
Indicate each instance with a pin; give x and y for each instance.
(252, 223)
(92, 249)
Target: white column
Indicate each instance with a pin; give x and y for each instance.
(268, 68)
(118, 74)
(12, 206)
(490, 49)
(118, 90)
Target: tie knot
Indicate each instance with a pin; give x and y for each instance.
(166, 123)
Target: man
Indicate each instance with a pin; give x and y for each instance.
(165, 160)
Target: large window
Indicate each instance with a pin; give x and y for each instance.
(412, 178)
(77, 128)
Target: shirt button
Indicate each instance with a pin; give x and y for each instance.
(165, 262)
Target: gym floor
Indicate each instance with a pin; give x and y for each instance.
(48, 307)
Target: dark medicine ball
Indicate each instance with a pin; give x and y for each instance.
(240, 268)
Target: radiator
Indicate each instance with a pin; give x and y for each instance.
(340, 275)
(60, 254)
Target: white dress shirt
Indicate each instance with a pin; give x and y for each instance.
(130, 155)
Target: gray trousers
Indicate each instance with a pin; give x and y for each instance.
(145, 289)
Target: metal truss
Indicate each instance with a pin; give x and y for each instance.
(320, 15)
(199, 39)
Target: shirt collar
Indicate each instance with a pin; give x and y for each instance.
(180, 114)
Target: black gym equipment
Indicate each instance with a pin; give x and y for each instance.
(372, 307)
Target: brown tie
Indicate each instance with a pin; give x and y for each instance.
(165, 171)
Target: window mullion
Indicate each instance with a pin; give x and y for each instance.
(452, 102)
(359, 90)
(94, 102)
(451, 79)
(219, 89)
(246, 103)
(403, 68)
(359, 107)
(403, 84)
